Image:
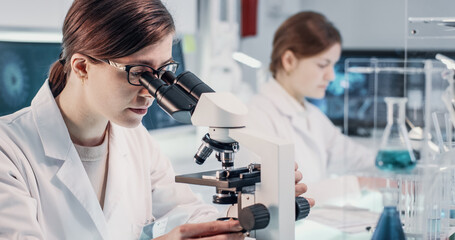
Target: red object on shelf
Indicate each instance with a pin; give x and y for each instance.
(249, 17)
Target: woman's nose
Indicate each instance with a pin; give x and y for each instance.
(330, 74)
(144, 93)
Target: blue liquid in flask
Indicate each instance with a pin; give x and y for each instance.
(389, 225)
(395, 160)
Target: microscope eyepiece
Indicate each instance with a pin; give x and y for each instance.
(151, 83)
(169, 77)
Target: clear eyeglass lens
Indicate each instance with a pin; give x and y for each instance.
(136, 72)
(172, 67)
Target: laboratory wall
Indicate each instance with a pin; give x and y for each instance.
(364, 24)
(33, 15)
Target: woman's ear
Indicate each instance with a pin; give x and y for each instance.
(79, 65)
(289, 61)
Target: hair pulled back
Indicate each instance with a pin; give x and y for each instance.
(108, 29)
(305, 34)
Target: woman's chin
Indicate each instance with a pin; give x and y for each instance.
(317, 96)
(128, 123)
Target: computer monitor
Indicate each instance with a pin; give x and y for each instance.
(361, 118)
(23, 69)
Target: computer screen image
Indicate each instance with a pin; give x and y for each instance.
(23, 69)
(365, 97)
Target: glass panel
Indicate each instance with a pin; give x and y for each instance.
(431, 19)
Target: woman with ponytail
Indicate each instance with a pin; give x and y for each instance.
(305, 49)
(77, 163)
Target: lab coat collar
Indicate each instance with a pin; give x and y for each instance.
(118, 162)
(81, 188)
(284, 102)
(49, 121)
(57, 144)
(70, 175)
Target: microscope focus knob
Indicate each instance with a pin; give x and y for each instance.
(302, 208)
(254, 217)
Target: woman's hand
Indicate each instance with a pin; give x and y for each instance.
(301, 188)
(216, 230)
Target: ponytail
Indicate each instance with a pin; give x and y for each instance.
(57, 78)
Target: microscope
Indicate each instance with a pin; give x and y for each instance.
(264, 193)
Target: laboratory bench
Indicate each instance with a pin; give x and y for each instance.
(333, 221)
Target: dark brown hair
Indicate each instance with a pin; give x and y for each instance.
(108, 29)
(305, 34)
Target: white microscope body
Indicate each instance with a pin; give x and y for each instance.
(225, 116)
(264, 193)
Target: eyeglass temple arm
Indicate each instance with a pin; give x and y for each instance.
(177, 96)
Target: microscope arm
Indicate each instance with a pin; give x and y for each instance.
(276, 189)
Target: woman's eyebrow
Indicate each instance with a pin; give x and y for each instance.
(151, 64)
(167, 61)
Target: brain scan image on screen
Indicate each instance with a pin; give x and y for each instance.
(14, 87)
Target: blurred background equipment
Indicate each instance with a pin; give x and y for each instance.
(361, 89)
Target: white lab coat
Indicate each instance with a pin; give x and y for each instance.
(45, 192)
(320, 147)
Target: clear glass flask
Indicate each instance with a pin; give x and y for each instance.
(389, 224)
(395, 152)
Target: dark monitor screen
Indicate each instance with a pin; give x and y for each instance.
(23, 69)
(361, 89)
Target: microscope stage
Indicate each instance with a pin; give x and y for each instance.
(209, 179)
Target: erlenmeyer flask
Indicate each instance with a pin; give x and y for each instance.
(389, 225)
(395, 152)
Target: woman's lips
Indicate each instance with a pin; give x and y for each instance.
(140, 111)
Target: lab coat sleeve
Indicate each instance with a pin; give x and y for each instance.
(18, 210)
(344, 154)
(175, 201)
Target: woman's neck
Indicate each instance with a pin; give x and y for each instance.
(283, 79)
(85, 129)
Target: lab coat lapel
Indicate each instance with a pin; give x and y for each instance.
(300, 124)
(57, 144)
(116, 185)
(71, 174)
(283, 103)
(281, 100)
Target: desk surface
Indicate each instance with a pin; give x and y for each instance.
(308, 229)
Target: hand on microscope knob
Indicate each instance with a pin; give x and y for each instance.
(301, 188)
(223, 230)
